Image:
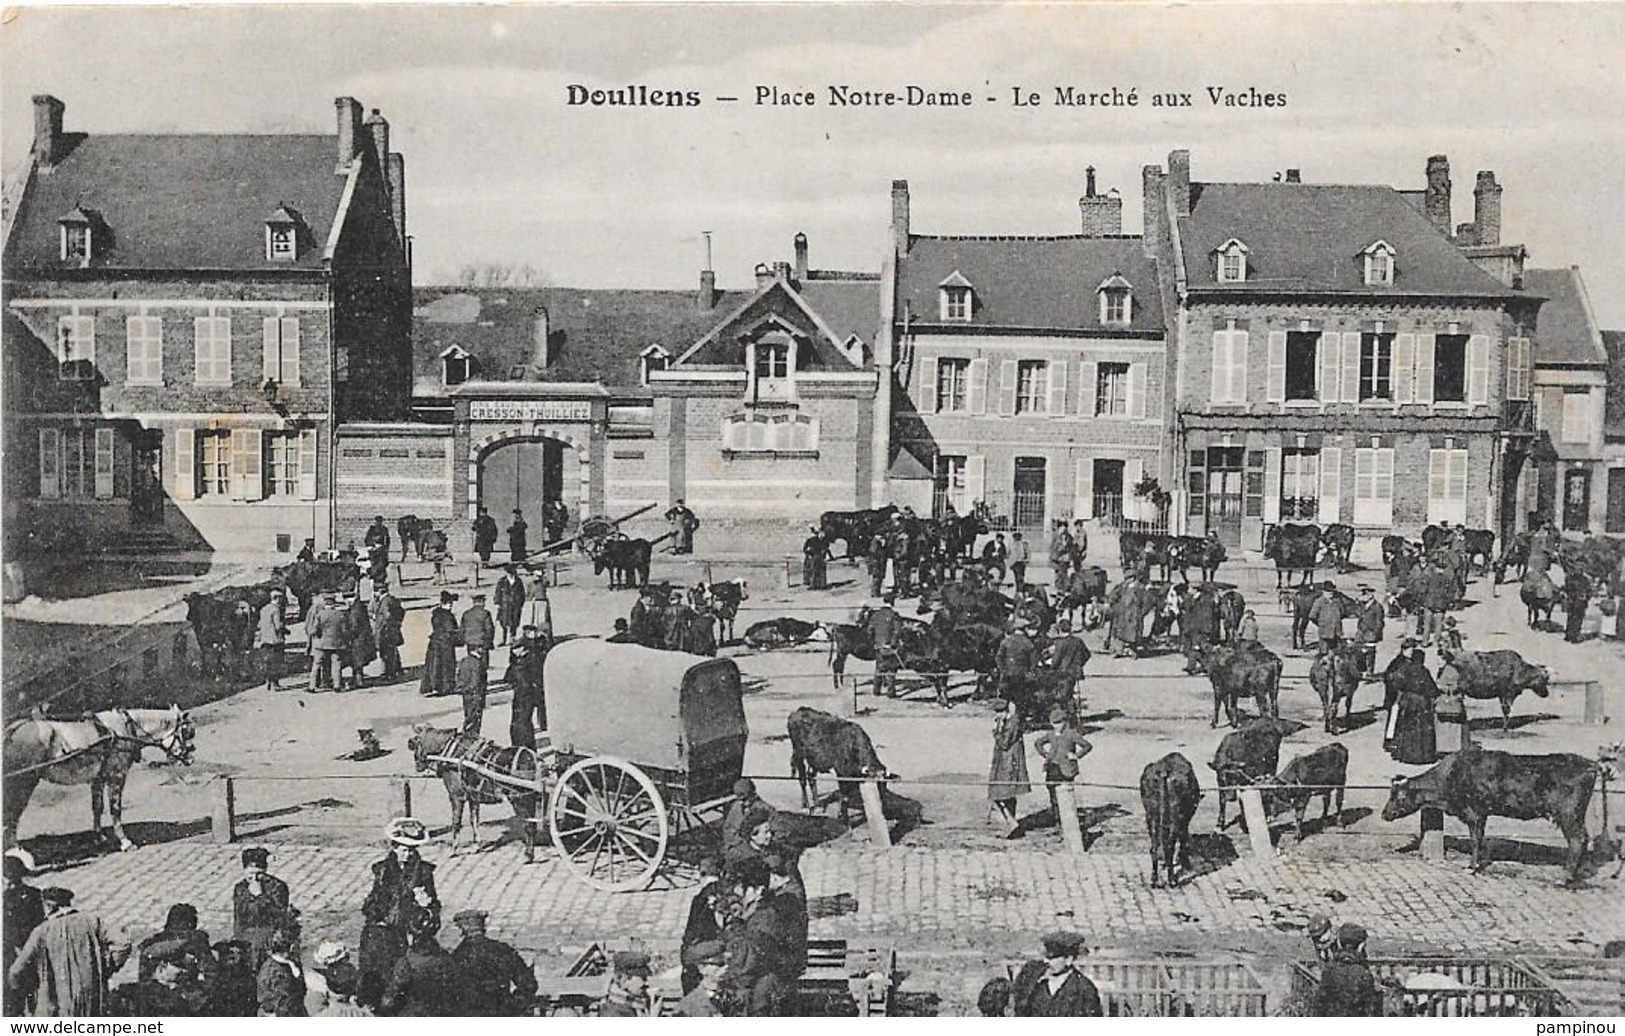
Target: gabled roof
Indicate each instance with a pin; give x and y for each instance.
(787, 305)
(1307, 238)
(1614, 420)
(954, 280)
(1565, 331)
(1037, 283)
(180, 201)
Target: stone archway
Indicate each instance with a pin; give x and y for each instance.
(479, 449)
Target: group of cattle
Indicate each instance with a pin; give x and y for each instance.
(950, 540)
(224, 620)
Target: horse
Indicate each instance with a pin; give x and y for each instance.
(98, 750)
(432, 746)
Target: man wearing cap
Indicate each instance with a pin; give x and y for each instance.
(757, 944)
(628, 987)
(377, 535)
(1369, 617)
(1347, 989)
(271, 637)
(471, 685)
(1061, 747)
(479, 633)
(440, 660)
(362, 647)
(1014, 662)
(683, 523)
(180, 940)
(527, 665)
(325, 631)
(1323, 936)
(518, 534)
(705, 922)
(260, 904)
(388, 615)
(746, 801)
(1068, 655)
(497, 981)
(702, 998)
(402, 889)
(485, 535)
(426, 981)
(815, 560)
(510, 598)
(73, 957)
(1198, 624)
(883, 624)
(1054, 987)
(24, 910)
(1327, 615)
(168, 990)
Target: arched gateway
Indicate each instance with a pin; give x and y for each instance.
(519, 468)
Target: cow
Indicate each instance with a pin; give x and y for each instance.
(854, 527)
(1393, 547)
(1322, 772)
(1246, 668)
(1085, 585)
(1336, 542)
(976, 604)
(1169, 795)
(782, 633)
(1478, 783)
(1206, 553)
(627, 562)
(306, 579)
(1480, 547)
(1492, 675)
(726, 596)
(1514, 554)
(1293, 548)
(411, 529)
(1335, 676)
(1232, 606)
(1539, 595)
(1244, 757)
(969, 647)
(821, 743)
(224, 623)
(1151, 548)
(1302, 600)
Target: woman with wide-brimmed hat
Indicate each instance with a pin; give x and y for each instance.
(402, 890)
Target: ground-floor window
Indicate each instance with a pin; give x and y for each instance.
(213, 462)
(76, 463)
(1447, 486)
(1374, 486)
(1031, 493)
(769, 432)
(952, 489)
(281, 463)
(1577, 500)
(1300, 485)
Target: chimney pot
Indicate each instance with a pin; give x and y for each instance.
(47, 128)
(764, 275)
(801, 257)
(1179, 180)
(1102, 214)
(781, 271)
(1294, 176)
(1089, 182)
(1436, 200)
(542, 330)
(899, 215)
(349, 130)
(1487, 208)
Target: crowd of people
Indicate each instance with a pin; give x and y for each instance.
(665, 617)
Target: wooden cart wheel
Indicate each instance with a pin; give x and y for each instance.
(609, 821)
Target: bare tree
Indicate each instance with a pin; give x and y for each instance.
(502, 275)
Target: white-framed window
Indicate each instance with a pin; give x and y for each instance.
(144, 350)
(953, 384)
(1379, 264)
(1376, 366)
(952, 481)
(1447, 485)
(281, 360)
(1231, 267)
(281, 242)
(1032, 387)
(772, 360)
(213, 350)
(455, 365)
(76, 348)
(1229, 366)
(1518, 368)
(76, 463)
(213, 452)
(281, 463)
(769, 432)
(1111, 390)
(77, 242)
(653, 358)
(1450, 368)
(956, 302)
(1577, 416)
(1116, 305)
(1374, 486)
(1300, 485)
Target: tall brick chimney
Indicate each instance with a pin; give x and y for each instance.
(1436, 200)
(899, 215)
(397, 193)
(1487, 208)
(781, 270)
(378, 130)
(708, 289)
(801, 257)
(1102, 213)
(350, 130)
(1151, 205)
(47, 129)
(1179, 180)
(541, 329)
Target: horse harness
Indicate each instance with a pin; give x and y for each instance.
(485, 763)
(172, 746)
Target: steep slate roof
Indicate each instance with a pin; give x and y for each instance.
(847, 307)
(1041, 283)
(181, 201)
(1564, 330)
(784, 301)
(1308, 237)
(1614, 420)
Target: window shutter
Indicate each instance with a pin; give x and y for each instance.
(290, 351)
(307, 464)
(1331, 478)
(976, 390)
(1083, 489)
(928, 385)
(1404, 367)
(1518, 374)
(1330, 368)
(239, 461)
(253, 449)
(1457, 486)
(104, 464)
(1424, 369)
(1351, 367)
(1238, 366)
(185, 464)
(1478, 370)
(1057, 388)
(1136, 390)
(1272, 485)
(975, 478)
(272, 365)
(1007, 388)
(50, 463)
(1438, 461)
(1275, 383)
(1133, 473)
(1221, 367)
(1088, 388)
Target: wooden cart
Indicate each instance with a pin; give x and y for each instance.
(648, 743)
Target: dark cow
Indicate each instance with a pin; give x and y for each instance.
(976, 604)
(411, 529)
(1247, 668)
(959, 535)
(781, 633)
(1497, 675)
(1480, 547)
(1085, 585)
(1302, 600)
(1322, 772)
(627, 562)
(1335, 676)
(855, 528)
(1245, 756)
(1293, 548)
(1539, 595)
(970, 647)
(821, 743)
(1514, 554)
(1232, 606)
(1149, 548)
(306, 579)
(1336, 542)
(224, 622)
(1478, 783)
(726, 597)
(1169, 795)
(1202, 552)
(1393, 547)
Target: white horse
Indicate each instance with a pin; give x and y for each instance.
(98, 750)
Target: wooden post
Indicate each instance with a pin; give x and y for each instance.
(1066, 803)
(1258, 825)
(223, 815)
(707, 569)
(1432, 834)
(400, 797)
(1595, 715)
(557, 568)
(879, 832)
(784, 577)
(474, 567)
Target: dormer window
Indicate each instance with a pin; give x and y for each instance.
(455, 366)
(1116, 301)
(653, 358)
(1232, 262)
(1379, 264)
(282, 235)
(78, 236)
(955, 298)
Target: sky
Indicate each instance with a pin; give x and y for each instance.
(501, 169)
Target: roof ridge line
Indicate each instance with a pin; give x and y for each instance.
(1026, 237)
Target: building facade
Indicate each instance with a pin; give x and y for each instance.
(187, 320)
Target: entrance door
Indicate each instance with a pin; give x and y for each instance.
(1576, 500)
(524, 475)
(1030, 493)
(1107, 489)
(1224, 493)
(146, 491)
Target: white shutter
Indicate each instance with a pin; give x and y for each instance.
(1275, 383)
(976, 389)
(1083, 489)
(1238, 366)
(1057, 388)
(1133, 473)
(1331, 484)
(253, 447)
(1478, 370)
(1272, 485)
(185, 464)
(1457, 486)
(1438, 469)
(239, 460)
(1136, 390)
(1007, 388)
(104, 464)
(1088, 387)
(1404, 367)
(1351, 367)
(50, 463)
(307, 464)
(290, 351)
(928, 385)
(272, 358)
(1221, 367)
(1330, 368)
(975, 479)
(1517, 368)
(1424, 368)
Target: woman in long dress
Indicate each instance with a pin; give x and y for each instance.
(1007, 777)
(1412, 737)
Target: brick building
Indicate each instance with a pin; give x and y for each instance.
(1339, 355)
(1030, 369)
(187, 319)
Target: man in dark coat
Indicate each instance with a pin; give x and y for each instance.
(876, 562)
(518, 534)
(440, 660)
(815, 560)
(1369, 616)
(1126, 614)
(526, 665)
(24, 910)
(1327, 615)
(485, 535)
(883, 630)
(479, 632)
(280, 983)
(1054, 987)
(1576, 595)
(497, 981)
(471, 687)
(377, 535)
(555, 519)
(1061, 746)
(760, 969)
(1438, 594)
(1015, 661)
(426, 981)
(510, 596)
(168, 990)
(180, 941)
(363, 646)
(260, 906)
(232, 993)
(1068, 654)
(1198, 624)
(402, 889)
(704, 925)
(683, 523)
(1347, 989)
(388, 614)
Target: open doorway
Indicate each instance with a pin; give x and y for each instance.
(524, 474)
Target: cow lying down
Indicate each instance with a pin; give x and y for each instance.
(783, 633)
